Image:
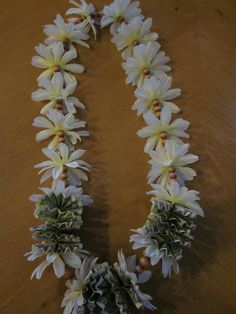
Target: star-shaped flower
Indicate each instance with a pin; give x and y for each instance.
(61, 127)
(160, 130)
(146, 61)
(66, 32)
(126, 270)
(59, 188)
(74, 299)
(180, 196)
(54, 59)
(118, 12)
(56, 94)
(132, 34)
(156, 92)
(57, 261)
(169, 161)
(87, 12)
(63, 159)
(142, 239)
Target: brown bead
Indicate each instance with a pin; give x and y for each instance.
(163, 135)
(65, 169)
(146, 71)
(59, 101)
(155, 103)
(66, 43)
(64, 176)
(120, 19)
(61, 134)
(58, 106)
(171, 169)
(57, 68)
(173, 176)
(139, 269)
(100, 13)
(157, 108)
(158, 114)
(136, 43)
(61, 140)
(144, 262)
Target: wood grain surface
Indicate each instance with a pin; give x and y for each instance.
(200, 38)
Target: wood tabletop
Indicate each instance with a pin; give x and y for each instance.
(200, 38)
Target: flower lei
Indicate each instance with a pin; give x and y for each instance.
(104, 287)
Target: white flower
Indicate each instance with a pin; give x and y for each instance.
(126, 269)
(54, 91)
(142, 239)
(74, 299)
(118, 12)
(54, 167)
(87, 12)
(59, 126)
(172, 156)
(57, 261)
(58, 188)
(159, 129)
(181, 197)
(132, 34)
(54, 59)
(154, 89)
(146, 60)
(65, 32)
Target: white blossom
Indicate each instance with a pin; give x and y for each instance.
(58, 188)
(142, 239)
(147, 60)
(53, 91)
(132, 34)
(87, 12)
(54, 58)
(74, 298)
(154, 89)
(158, 129)
(118, 12)
(66, 32)
(126, 269)
(178, 195)
(171, 155)
(57, 261)
(56, 125)
(60, 159)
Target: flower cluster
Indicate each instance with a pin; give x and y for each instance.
(57, 126)
(60, 206)
(87, 15)
(106, 288)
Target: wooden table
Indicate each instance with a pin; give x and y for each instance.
(200, 38)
